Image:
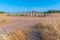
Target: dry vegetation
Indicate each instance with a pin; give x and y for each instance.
(44, 28)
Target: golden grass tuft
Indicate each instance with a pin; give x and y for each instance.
(46, 30)
(4, 21)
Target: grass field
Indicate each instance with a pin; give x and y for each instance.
(30, 28)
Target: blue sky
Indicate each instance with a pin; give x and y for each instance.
(28, 5)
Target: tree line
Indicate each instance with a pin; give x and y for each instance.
(52, 11)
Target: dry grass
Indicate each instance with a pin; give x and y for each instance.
(4, 21)
(47, 29)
